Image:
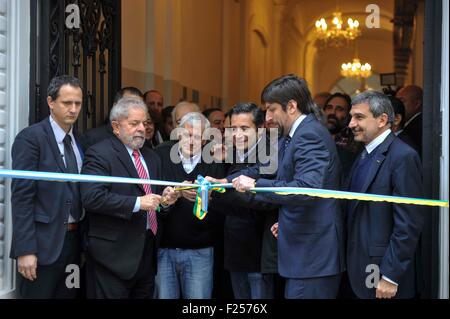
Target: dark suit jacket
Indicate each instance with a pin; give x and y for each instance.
(40, 209)
(414, 131)
(245, 225)
(310, 237)
(96, 135)
(408, 140)
(383, 233)
(116, 235)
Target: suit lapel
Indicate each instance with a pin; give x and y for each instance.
(53, 145)
(124, 157)
(282, 141)
(376, 164)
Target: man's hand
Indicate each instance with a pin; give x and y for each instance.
(169, 196)
(150, 202)
(386, 290)
(243, 183)
(26, 265)
(189, 194)
(274, 230)
(215, 180)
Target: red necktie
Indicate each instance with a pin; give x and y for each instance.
(151, 214)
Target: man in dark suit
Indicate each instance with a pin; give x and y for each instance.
(123, 225)
(399, 122)
(46, 214)
(98, 134)
(382, 237)
(412, 98)
(310, 238)
(246, 231)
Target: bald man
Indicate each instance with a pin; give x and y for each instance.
(412, 98)
(181, 109)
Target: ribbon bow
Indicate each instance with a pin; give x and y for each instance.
(201, 201)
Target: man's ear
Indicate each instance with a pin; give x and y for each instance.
(115, 127)
(50, 102)
(291, 107)
(383, 120)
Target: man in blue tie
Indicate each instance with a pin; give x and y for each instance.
(382, 237)
(310, 230)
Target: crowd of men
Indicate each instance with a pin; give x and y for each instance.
(144, 241)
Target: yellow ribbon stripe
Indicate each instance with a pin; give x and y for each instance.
(325, 193)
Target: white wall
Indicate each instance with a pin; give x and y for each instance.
(444, 218)
(14, 109)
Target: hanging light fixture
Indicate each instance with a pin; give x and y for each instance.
(356, 69)
(336, 34)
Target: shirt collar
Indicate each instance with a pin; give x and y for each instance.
(130, 151)
(296, 124)
(377, 141)
(60, 134)
(193, 159)
(243, 156)
(411, 119)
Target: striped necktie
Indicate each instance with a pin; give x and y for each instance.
(151, 214)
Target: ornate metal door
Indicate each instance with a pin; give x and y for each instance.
(89, 50)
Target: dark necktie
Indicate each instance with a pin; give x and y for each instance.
(285, 144)
(69, 156)
(360, 173)
(72, 167)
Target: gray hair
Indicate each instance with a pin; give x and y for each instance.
(378, 104)
(193, 118)
(121, 109)
(181, 104)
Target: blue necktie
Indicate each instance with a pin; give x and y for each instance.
(360, 173)
(287, 139)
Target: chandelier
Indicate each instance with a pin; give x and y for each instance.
(337, 34)
(356, 69)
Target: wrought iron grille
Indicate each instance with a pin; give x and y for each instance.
(90, 52)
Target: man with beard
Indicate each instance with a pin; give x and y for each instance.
(336, 111)
(337, 116)
(123, 221)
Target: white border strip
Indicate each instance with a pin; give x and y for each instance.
(444, 218)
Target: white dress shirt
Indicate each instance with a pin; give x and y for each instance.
(60, 134)
(296, 124)
(377, 141)
(189, 163)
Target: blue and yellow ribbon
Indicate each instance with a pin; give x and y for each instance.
(201, 201)
(327, 193)
(203, 187)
